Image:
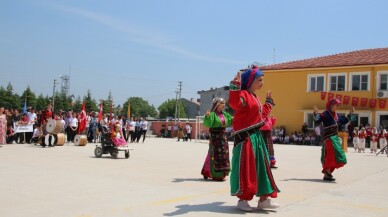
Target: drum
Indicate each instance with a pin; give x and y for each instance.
(53, 126)
(60, 139)
(80, 140)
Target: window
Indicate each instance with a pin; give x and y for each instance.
(316, 83)
(383, 82)
(359, 81)
(337, 82)
(310, 121)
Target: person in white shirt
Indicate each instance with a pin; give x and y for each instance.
(32, 117)
(188, 131)
(144, 127)
(38, 133)
(73, 128)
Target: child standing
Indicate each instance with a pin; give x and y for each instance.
(373, 140)
(362, 137)
(356, 139)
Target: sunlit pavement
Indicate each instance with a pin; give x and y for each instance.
(162, 178)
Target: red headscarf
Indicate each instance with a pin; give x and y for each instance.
(331, 103)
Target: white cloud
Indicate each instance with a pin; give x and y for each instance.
(141, 36)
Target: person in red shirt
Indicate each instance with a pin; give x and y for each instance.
(251, 173)
(373, 140)
(362, 135)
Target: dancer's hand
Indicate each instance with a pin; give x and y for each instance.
(352, 110)
(269, 95)
(315, 109)
(237, 77)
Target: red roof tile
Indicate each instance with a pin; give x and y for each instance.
(354, 58)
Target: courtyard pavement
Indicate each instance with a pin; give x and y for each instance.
(162, 178)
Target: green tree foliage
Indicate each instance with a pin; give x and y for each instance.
(167, 109)
(77, 105)
(139, 108)
(10, 99)
(30, 98)
(90, 103)
(42, 102)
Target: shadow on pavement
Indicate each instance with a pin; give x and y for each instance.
(189, 180)
(306, 180)
(215, 207)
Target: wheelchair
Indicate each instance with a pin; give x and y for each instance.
(108, 147)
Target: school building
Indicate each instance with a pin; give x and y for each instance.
(358, 78)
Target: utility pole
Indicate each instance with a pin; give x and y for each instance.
(176, 104)
(179, 104)
(55, 83)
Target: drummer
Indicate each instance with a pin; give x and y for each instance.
(45, 116)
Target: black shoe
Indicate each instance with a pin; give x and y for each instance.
(328, 178)
(273, 167)
(327, 174)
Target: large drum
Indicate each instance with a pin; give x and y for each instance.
(53, 126)
(60, 139)
(80, 140)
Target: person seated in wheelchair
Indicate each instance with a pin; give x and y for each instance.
(116, 135)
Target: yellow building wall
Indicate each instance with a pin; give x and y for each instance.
(290, 92)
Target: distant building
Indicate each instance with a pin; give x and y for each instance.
(206, 97)
(192, 107)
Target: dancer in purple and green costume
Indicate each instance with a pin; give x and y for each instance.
(217, 163)
(332, 156)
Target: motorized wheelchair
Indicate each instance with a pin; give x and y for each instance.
(108, 147)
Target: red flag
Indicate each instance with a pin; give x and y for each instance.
(346, 99)
(339, 97)
(331, 96)
(364, 101)
(354, 101)
(372, 103)
(82, 120)
(100, 113)
(382, 103)
(323, 95)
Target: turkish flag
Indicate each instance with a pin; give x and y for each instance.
(100, 113)
(364, 101)
(323, 95)
(354, 101)
(82, 120)
(382, 103)
(346, 100)
(339, 97)
(372, 103)
(331, 96)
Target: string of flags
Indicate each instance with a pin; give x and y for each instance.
(355, 101)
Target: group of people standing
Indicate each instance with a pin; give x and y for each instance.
(375, 137)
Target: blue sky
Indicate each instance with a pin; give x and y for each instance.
(143, 48)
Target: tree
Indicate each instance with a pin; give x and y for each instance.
(139, 108)
(77, 105)
(90, 103)
(167, 109)
(29, 96)
(42, 102)
(10, 99)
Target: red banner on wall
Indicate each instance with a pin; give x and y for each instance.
(382, 103)
(330, 96)
(354, 101)
(364, 101)
(323, 95)
(339, 97)
(372, 103)
(346, 100)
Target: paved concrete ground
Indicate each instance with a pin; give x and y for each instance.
(162, 178)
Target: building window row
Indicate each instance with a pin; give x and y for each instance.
(359, 81)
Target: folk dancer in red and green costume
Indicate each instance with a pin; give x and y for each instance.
(332, 156)
(251, 173)
(217, 163)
